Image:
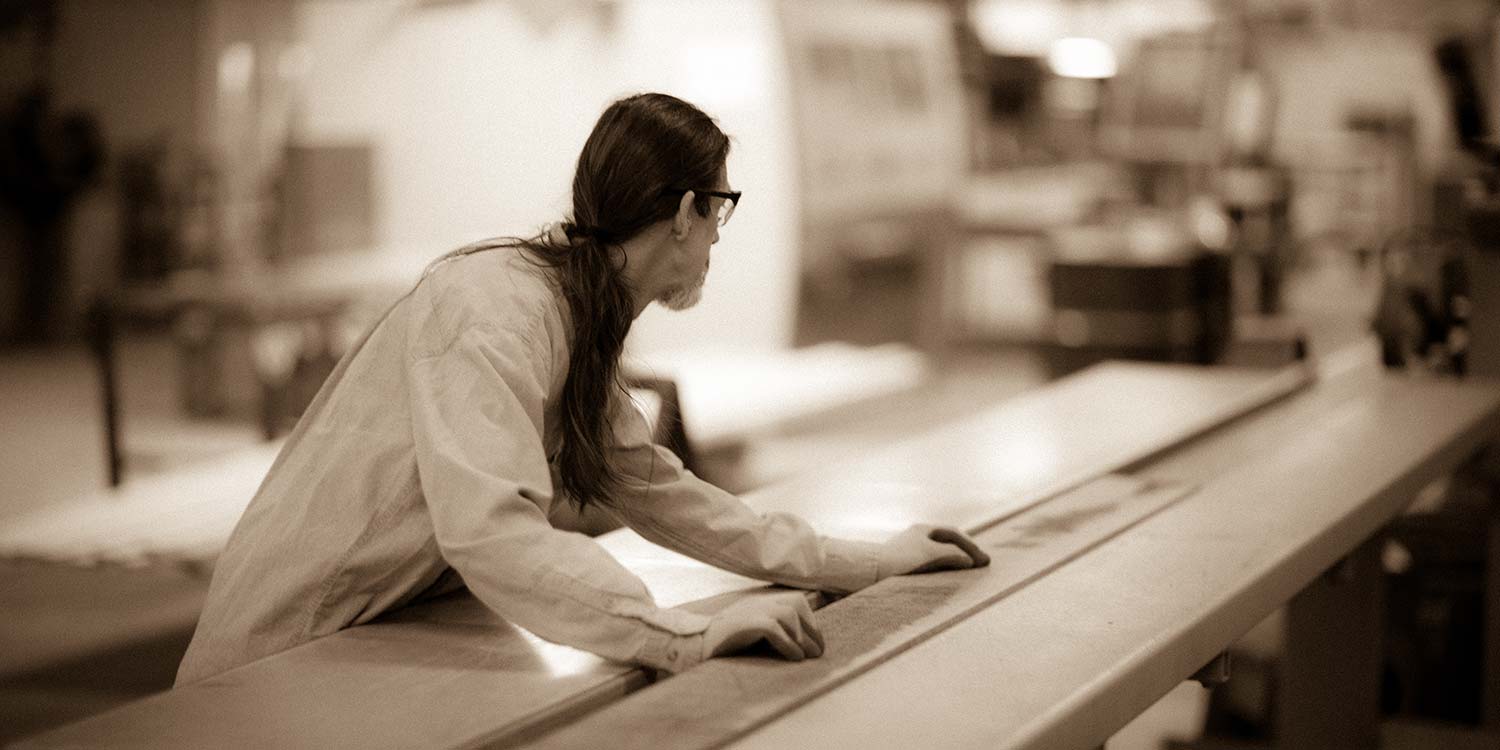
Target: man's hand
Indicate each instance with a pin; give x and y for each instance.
(924, 549)
(783, 620)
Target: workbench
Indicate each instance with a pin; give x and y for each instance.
(1140, 518)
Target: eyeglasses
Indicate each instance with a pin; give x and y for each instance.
(726, 209)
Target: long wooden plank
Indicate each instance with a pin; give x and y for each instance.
(451, 674)
(1064, 663)
(67, 603)
(471, 674)
(973, 474)
(1002, 460)
(724, 698)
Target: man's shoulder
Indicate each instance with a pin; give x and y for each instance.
(491, 268)
(495, 288)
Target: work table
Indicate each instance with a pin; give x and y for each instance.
(1180, 505)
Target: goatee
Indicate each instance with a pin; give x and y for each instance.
(685, 297)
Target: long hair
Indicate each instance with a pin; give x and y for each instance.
(642, 152)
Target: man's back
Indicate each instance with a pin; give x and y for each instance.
(338, 532)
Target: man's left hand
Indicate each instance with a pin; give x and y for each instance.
(924, 549)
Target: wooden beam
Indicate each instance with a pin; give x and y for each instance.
(1067, 661)
(725, 698)
(982, 470)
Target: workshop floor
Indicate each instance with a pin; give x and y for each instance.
(51, 450)
(74, 641)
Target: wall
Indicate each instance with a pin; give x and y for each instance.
(131, 61)
(1028, 27)
(476, 112)
(1345, 184)
(131, 64)
(1322, 77)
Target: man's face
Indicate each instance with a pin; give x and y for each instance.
(692, 268)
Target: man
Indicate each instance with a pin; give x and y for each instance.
(461, 438)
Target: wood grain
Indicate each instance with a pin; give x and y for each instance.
(721, 699)
(1067, 661)
(1004, 459)
(450, 673)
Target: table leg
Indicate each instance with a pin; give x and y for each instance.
(1490, 708)
(101, 331)
(1329, 693)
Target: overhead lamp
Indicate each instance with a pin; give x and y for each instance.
(1082, 57)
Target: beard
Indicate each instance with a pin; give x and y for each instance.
(684, 297)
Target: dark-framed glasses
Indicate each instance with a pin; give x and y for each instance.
(726, 209)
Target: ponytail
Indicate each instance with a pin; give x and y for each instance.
(602, 310)
(641, 148)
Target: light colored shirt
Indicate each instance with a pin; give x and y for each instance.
(426, 453)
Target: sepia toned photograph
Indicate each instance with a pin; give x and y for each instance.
(752, 374)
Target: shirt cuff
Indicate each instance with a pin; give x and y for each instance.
(676, 641)
(849, 565)
(672, 653)
(678, 621)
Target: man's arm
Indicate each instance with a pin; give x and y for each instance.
(670, 506)
(477, 420)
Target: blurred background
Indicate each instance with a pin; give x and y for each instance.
(204, 202)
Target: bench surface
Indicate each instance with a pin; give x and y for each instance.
(450, 673)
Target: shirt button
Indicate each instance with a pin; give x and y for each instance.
(672, 654)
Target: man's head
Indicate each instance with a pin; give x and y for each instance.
(644, 180)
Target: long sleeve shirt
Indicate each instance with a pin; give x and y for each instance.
(426, 454)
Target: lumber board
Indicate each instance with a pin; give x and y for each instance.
(1165, 598)
(444, 673)
(450, 673)
(1004, 459)
(334, 689)
(65, 604)
(723, 698)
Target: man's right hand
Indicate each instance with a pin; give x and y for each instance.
(783, 620)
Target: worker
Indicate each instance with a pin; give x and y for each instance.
(458, 443)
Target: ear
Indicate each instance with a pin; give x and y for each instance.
(682, 223)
